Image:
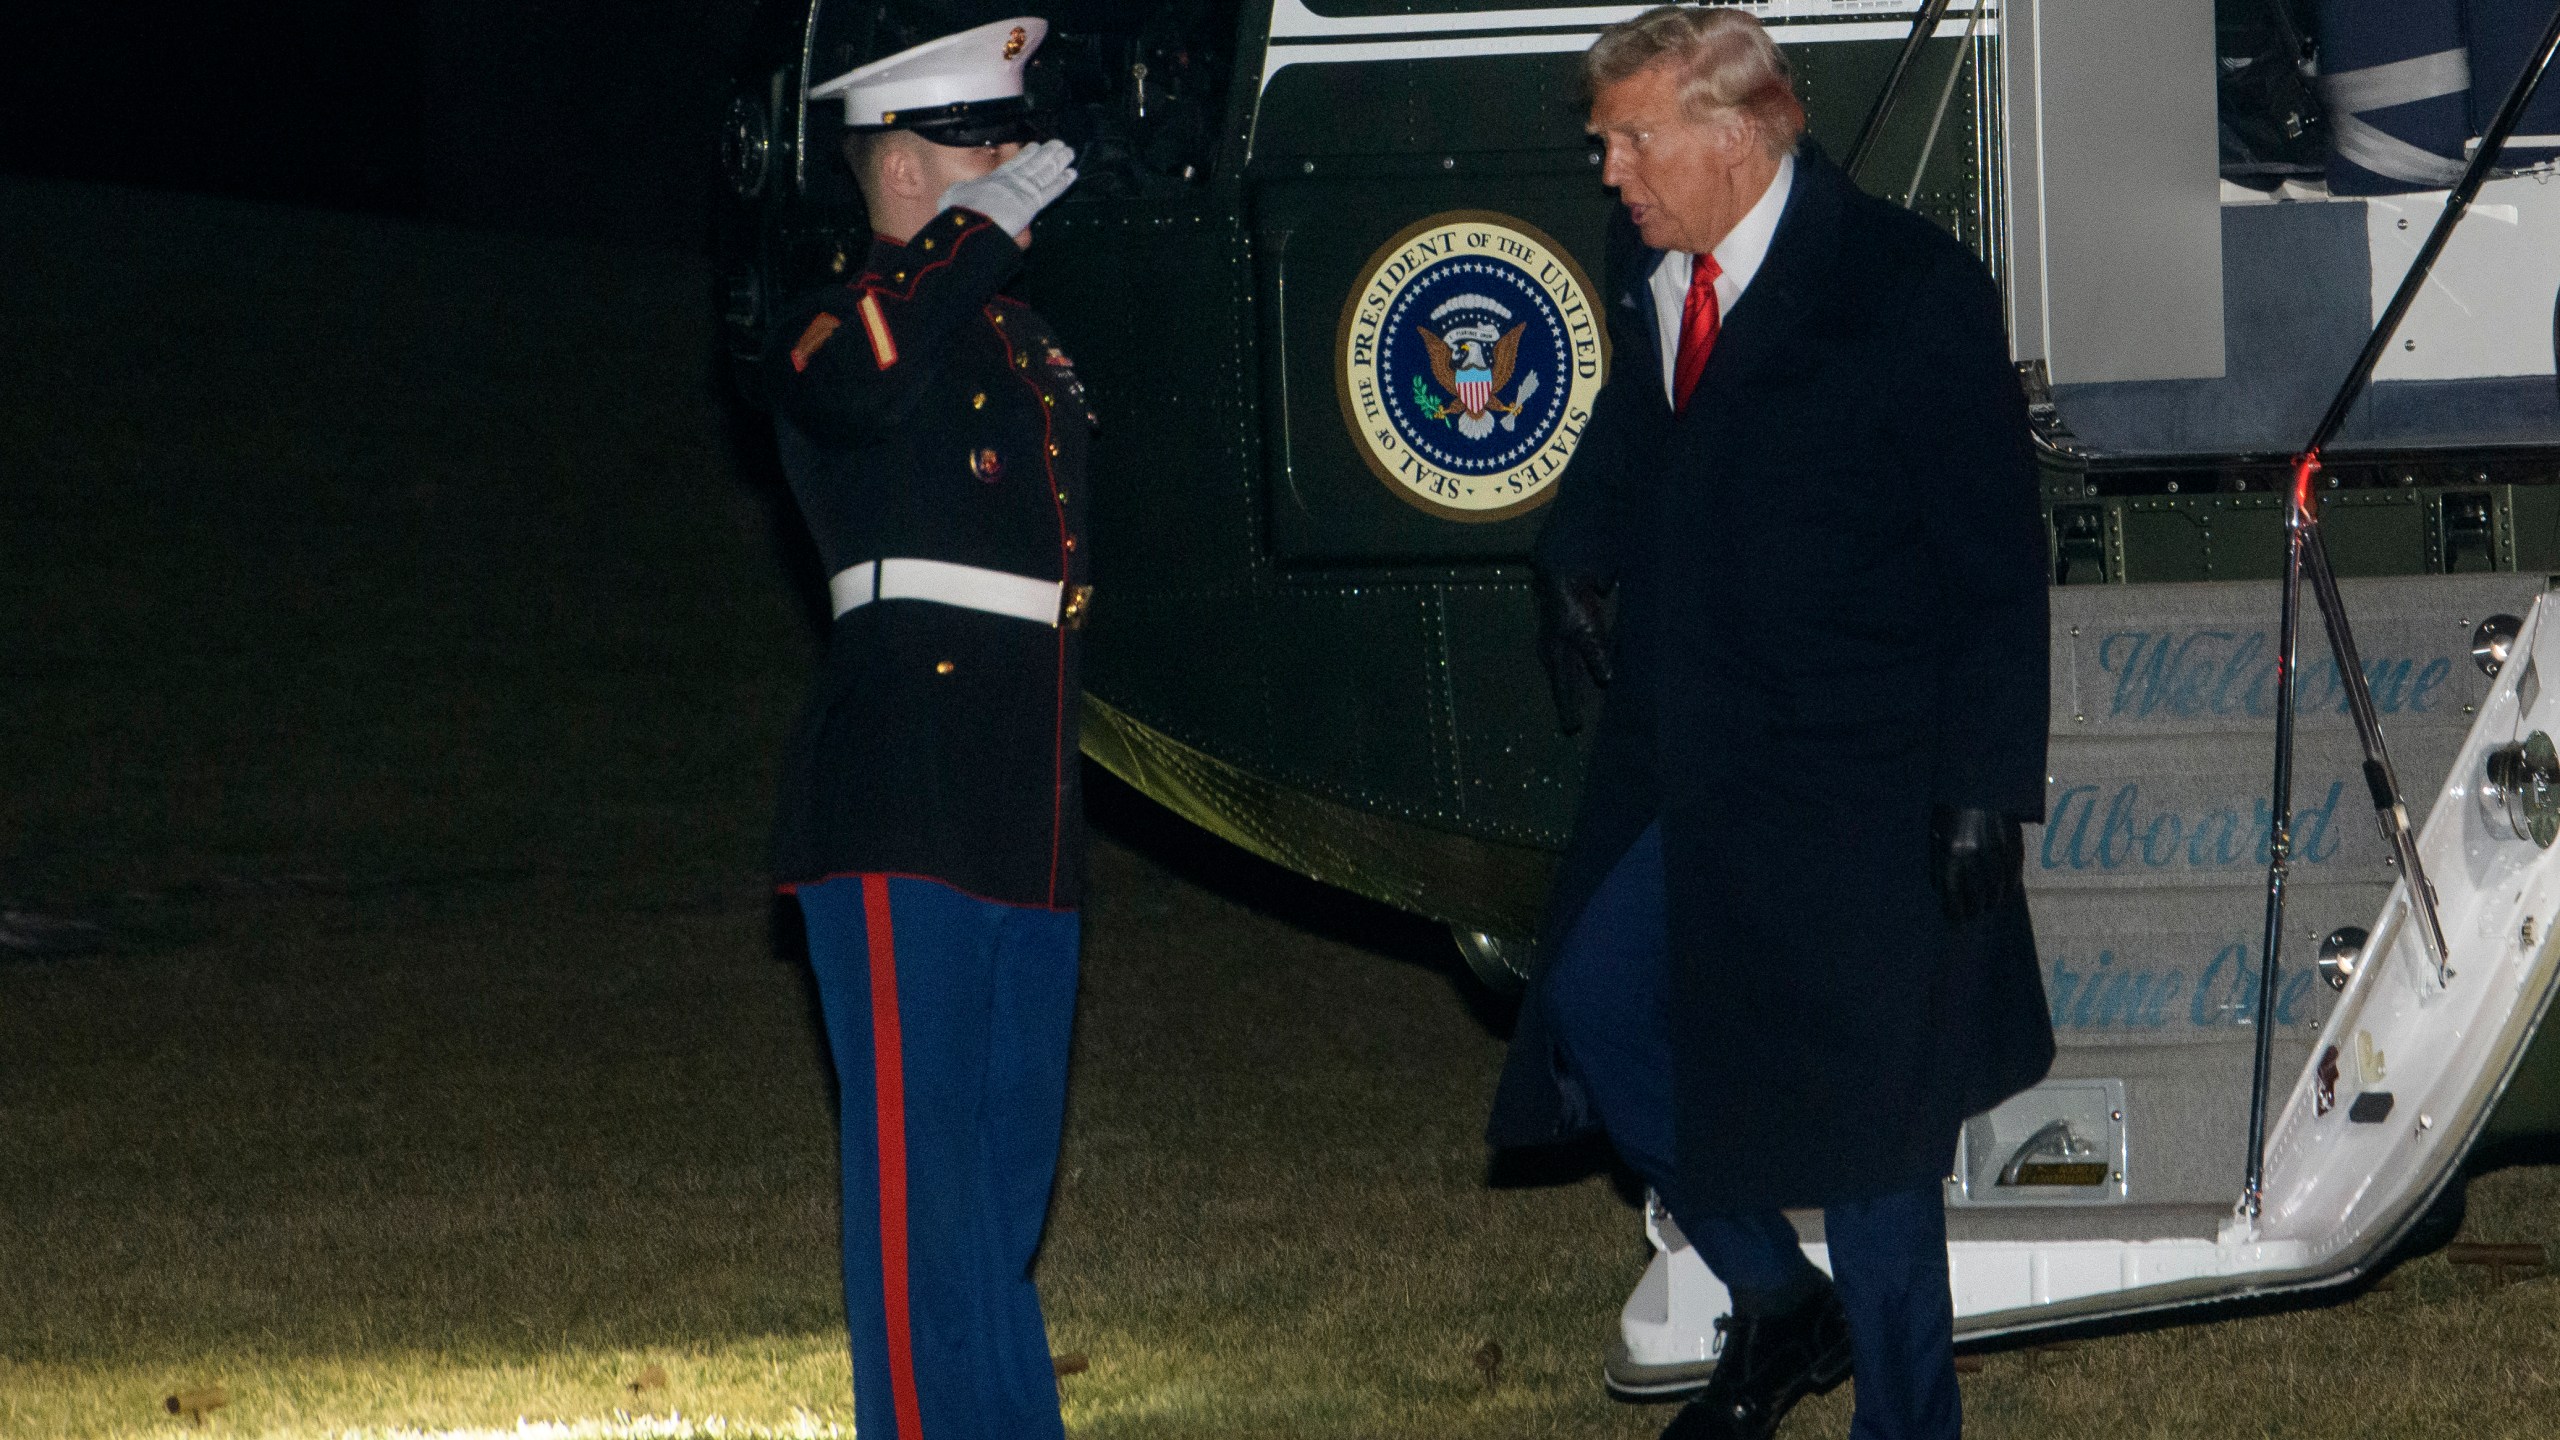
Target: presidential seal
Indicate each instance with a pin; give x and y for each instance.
(1468, 357)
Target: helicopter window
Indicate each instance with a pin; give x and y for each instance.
(1139, 87)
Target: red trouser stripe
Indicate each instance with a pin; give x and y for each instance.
(889, 1089)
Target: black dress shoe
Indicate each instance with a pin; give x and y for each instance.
(1769, 1363)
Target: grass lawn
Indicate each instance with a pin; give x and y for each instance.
(397, 665)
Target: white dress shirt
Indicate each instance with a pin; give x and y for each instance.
(1738, 256)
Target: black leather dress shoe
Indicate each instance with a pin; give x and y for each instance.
(1769, 1363)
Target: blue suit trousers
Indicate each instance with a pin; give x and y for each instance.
(1608, 994)
(948, 1018)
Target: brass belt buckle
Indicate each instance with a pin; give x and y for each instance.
(1079, 600)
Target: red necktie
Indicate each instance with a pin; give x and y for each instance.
(1700, 318)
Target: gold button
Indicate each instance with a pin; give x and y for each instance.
(1021, 360)
(1071, 544)
(941, 667)
(1053, 449)
(928, 244)
(1048, 399)
(978, 401)
(902, 274)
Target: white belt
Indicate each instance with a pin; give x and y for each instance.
(997, 592)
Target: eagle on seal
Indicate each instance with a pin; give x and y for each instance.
(1474, 375)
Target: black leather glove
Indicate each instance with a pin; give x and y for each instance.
(1573, 641)
(1975, 859)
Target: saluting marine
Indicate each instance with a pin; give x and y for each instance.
(934, 433)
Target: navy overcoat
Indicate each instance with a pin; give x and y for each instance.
(1830, 616)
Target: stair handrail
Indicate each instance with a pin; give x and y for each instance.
(2306, 551)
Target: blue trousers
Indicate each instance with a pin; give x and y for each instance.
(948, 1017)
(1608, 993)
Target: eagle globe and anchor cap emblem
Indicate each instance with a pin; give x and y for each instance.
(1468, 356)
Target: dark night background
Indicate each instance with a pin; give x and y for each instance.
(573, 118)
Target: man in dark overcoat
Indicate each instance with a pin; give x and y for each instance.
(1788, 949)
(934, 433)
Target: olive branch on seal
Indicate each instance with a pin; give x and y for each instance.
(1432, 409)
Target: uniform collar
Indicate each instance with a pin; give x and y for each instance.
(887, 251)
(897, 259)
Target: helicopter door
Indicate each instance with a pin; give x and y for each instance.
(1427, 223)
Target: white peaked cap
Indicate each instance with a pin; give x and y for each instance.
(940, 79)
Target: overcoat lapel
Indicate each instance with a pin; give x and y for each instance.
(1777, 326)
(1635, 299)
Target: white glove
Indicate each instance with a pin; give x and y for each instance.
(1018, 189)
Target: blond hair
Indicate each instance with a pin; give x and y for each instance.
(1725, 59)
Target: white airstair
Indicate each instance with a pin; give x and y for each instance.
(2411, 1062)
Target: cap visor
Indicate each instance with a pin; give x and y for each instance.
(993, 130)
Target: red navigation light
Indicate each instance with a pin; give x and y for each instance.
(2305, 465)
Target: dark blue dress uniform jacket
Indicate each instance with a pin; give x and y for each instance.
(923, 415)
(1830, 587)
